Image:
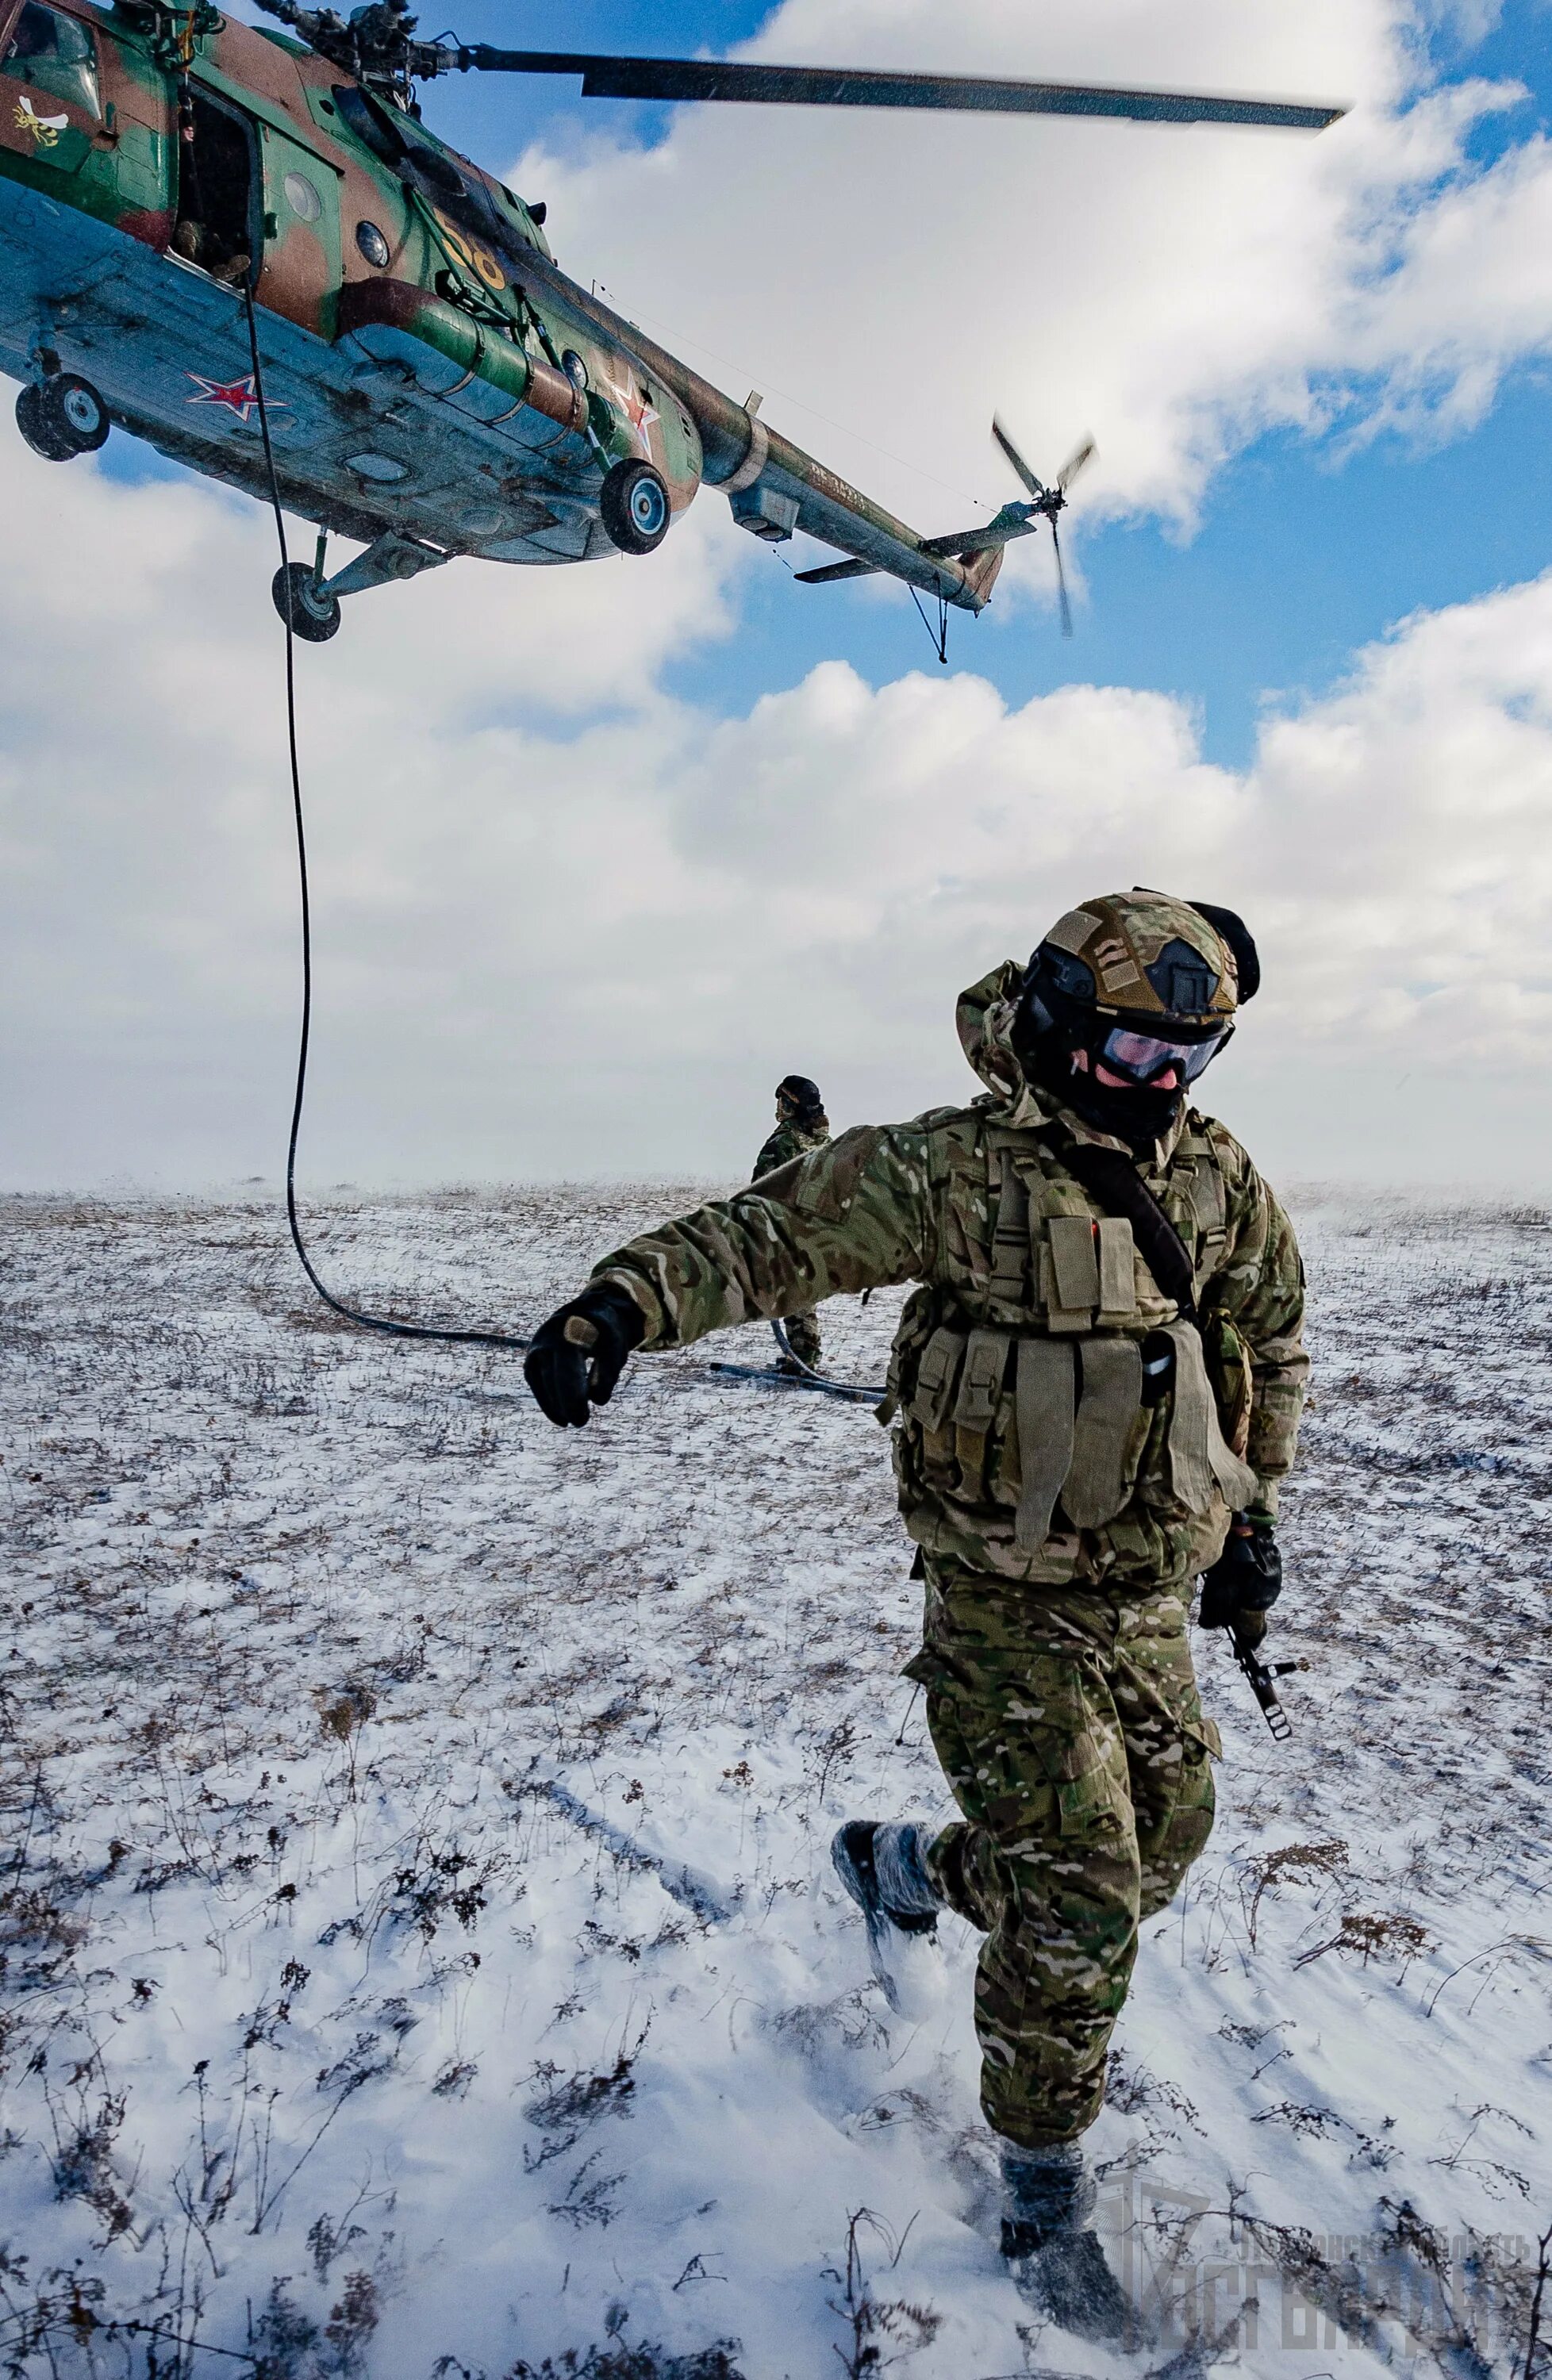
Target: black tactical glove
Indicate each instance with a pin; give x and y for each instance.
(580, 1352)
(1245, 1582)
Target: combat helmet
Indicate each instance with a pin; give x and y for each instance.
(1127, 1001)
(800, 1098)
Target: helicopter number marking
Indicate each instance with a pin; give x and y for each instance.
(468, 252)
(45, 130)
(239, 396)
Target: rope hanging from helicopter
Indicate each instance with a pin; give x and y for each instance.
(803, 1374)
(385, 1323)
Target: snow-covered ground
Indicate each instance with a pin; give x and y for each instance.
(421, 1953)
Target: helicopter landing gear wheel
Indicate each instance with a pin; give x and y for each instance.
(634, 504)
(62, 416)
(315, 614)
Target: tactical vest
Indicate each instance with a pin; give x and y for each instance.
(1018, 1374)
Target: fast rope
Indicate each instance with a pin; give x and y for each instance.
(351, 1314)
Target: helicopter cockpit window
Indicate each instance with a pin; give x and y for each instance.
(418, 162)
(371, 124)
(54, 53)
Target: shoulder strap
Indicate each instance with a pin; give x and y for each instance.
(1115, 1183)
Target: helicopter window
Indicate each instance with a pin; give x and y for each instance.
(399, 144)
(371, 123)
(430, 170)
(302, 198)
(56, 53)
(214, 227)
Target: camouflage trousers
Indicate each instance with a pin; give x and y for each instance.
(803, 1338)
(1068, 1727)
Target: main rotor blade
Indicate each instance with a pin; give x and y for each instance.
(718, 79)
(1077, 461)
(1063, 603)
(1016, 460)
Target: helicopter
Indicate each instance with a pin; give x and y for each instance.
(246, 247)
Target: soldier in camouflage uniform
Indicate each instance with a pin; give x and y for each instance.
(802, 1126)
(1073, 1447)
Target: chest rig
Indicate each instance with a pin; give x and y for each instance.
(1028, 1390)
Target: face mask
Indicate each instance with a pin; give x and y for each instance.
(1138, 1116)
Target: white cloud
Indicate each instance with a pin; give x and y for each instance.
(592, 946)
(1176, 291)
(566, 923)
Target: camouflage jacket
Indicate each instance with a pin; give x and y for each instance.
(1032, 1310)
(789, 1140)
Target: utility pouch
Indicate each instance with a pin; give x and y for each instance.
(1010, 1237)
(980, 1389)
(1074, 1273)
(1117, 1272)
(1045, 1415)
(937, 1377)
(1201, 1462)
(1096, 1485)
(931, 1408)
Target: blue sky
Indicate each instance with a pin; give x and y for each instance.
(600, 854)
(1303, 553)
(1306, 548)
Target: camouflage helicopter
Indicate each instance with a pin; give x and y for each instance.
(197, 213)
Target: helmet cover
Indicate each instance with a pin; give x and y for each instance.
(798, 1092)
(1148, 956)
(1143, 985)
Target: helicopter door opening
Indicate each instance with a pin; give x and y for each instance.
(215, 227)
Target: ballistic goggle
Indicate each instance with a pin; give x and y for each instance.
(1142, 1057)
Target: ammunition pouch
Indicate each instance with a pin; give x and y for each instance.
(1041, 1386)
(1039, 1421)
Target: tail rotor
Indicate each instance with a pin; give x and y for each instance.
(1046, 502)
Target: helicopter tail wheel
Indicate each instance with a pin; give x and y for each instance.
(634, 506)
(315, 614)
(62, 416)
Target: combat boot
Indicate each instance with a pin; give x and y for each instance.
(1057, 2260)
(884, 1870)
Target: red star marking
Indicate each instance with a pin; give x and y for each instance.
(637, 410)
(239, 396)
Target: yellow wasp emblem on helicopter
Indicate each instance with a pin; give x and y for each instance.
(45, 130)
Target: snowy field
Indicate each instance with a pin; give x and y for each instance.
(421, 1951)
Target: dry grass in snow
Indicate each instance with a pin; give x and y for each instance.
(420, 1952)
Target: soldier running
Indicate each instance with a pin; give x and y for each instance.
(1074, 1445)
(802, 1126)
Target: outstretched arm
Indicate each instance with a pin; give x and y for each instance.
(851, 1216)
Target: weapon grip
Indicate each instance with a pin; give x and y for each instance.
(1262, 1687)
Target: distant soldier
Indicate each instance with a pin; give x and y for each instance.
(1096, 1391)
(802, 1125)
